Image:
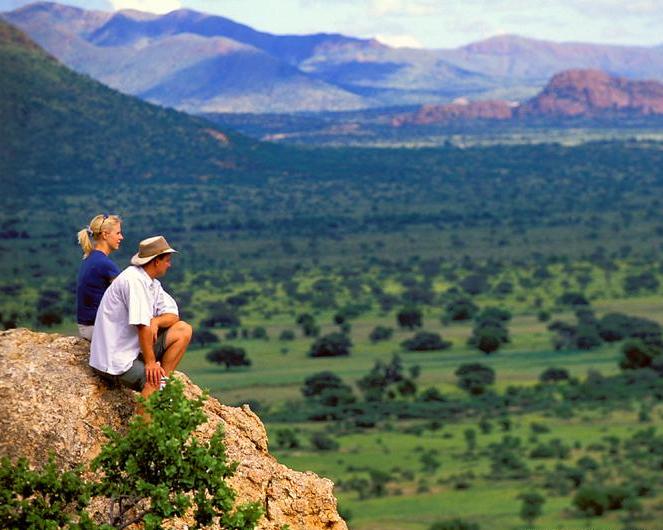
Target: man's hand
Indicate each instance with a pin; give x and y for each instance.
(154, 328)
(153, 373)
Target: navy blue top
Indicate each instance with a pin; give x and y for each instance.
(95, 275)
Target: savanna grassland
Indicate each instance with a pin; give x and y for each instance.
(341, 290)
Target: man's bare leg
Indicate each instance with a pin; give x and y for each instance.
(177, 341)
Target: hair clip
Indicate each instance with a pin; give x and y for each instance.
(89, 230)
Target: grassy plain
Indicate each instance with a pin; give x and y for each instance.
(417, 499)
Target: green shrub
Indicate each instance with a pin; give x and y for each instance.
(156, 470)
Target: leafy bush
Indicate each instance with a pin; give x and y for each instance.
(287, 439)
(554, 375)
(572, 299)
(323, 442)
(638, 354)
(327, 389)
(474, 377)
(287, 334)
(229, 355)
(331, 345)
(380, 333)
(460, 309)
(203, 337)
(426, 341)
(617, 326)
(409, 317)
(154, 471)
(644, 282)
(475, 284)
(595, 499)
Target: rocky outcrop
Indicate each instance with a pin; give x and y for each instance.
(594, 93)
(569, 94)
(51, 402)
(458, 110)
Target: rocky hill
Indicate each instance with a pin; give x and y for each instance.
(594, 93)
(51, 402)
(199, 62)
(458, 110)
(569, 94)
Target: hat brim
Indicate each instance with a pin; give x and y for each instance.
(138, 261)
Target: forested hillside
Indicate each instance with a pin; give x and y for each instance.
(56, 123)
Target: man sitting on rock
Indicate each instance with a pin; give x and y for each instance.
(138, 336)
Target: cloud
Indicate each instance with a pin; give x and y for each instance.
(407, 8)
(615, 8)
(399, 41)
(149, 6)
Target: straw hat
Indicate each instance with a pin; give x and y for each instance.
(151, 248)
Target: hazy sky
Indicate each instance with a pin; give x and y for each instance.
(428, 23)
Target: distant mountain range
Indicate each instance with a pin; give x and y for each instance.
(203, 63)
(569, 94)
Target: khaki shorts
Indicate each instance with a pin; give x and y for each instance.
(134, 378)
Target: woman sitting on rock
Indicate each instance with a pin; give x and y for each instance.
(101, 237)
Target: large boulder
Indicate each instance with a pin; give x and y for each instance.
(50, 402)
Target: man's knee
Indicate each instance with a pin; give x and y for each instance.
(183, 330)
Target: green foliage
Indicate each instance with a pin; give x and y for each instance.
(409, 317)
(155, 471)
(229, 355)
(203, 337)
(645, 281)
(638, 354)
(506, 461)
(327, 389)
(381, 333)
(99, 131)
(572, 299)
(331, 345)
(617, 326)
(475, 377)
(386, 381)
(426, 341)
(488, 336)
(160, 462)
(287, 335)
(41, 499)
(532, 506)
(460, 309)
(475, 284)
(323, 442)
(287, 439)
(554, 375)
(308, 325)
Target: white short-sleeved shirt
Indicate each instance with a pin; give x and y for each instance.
(132, 299)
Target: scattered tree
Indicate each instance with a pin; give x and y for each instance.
(230, 356)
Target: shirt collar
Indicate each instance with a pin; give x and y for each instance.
(151, 282)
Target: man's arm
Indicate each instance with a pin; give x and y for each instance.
(162, 321)
(153, 370)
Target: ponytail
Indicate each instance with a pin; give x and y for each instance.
(91, 233)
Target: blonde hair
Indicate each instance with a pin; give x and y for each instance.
(92, 232)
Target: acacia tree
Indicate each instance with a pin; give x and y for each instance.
(326, 388)
(230, 356)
